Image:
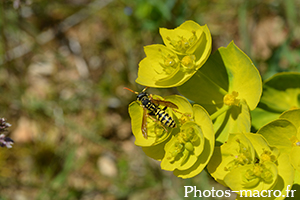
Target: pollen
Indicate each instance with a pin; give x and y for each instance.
(231, 99)
(242, 159)
(267, 156)
(259, 171)
(188, 62)
(176, 150)
(183, 44)
(185, 140)
(169, 64)
(244, 156)
(185, 117)
(170, 61)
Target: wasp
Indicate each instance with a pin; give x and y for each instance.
(150, 107)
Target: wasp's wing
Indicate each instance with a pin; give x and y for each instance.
(164, 103)
(144, 123)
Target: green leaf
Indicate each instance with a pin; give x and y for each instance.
(280, 93)
(261, 145)
(235, 120)
(280, 101)
(282, 81)
(294, 117)
(279, 133)
(217, 165)
(227, 70)
(295, 158)
(260, 117)
(243, 77)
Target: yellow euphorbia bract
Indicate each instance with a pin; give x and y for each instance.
(187, 39)
(186, 149)
(247, 162)
(237, 151)
(202, 150)
(183, 150)
(186, 49)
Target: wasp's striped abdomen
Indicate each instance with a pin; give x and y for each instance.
(165, 118)
(160, 114)
(150, 106)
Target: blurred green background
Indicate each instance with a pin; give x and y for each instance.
(63, 66)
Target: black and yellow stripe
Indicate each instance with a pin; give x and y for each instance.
(165, 118)
(160, 114)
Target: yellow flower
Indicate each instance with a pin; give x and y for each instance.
(187, 48)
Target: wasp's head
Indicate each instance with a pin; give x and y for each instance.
(142, 95)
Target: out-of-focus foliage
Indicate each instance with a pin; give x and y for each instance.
(63, 65)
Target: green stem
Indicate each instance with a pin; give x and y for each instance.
(218, 88)
(219, 112)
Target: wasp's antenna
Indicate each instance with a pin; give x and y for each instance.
(145, 89)
(130, 90)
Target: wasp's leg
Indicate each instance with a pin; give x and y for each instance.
(145, 89)
(158, 122)
(186, 114)
(144, 123)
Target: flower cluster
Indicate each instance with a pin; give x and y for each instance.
(186, 49)
(250, 163)
(186, 149)
(215, 131)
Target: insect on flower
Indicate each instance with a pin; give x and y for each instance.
(151, 107)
